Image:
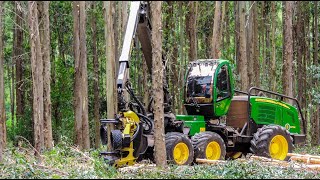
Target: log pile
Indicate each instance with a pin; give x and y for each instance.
(299, 161)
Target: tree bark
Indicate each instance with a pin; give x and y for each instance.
(18, 50)
(96, 78)
(182, 55)
(174, 60)
(157, 85)
(81, 78)
(273, 74)
(37, 77)
(110, 66)
(216, 32)
(250, 45)
(242, 60)
(315, 113)
(288, 50)
(255, 42)
(2, 101)
(191, 28)
(43, 9)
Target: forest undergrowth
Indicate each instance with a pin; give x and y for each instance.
(66, 161)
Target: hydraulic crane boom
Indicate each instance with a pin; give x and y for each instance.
(134, 127)
(137, 20)
(138, 24)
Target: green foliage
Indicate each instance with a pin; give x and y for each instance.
(65, 161)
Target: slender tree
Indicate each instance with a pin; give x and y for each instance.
(81, 79)
(242, 62)
(191, 28)
(43, 8)
(157, 85)
(96, 76)
(288, 50)
(17, 57)
(315, 113)
(2, 101)
(37, 77)
(216, 31)
(110, 65)
(273, 73)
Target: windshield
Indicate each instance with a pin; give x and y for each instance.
(199, 86)
(199, 82)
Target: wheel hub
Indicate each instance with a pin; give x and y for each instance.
(181, 153)
(213, 151)
(278, 147)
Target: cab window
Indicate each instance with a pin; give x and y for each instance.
(223, 83)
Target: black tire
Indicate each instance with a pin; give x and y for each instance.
(116, 139)
(201, 140)
(262, 138)
(174, 138)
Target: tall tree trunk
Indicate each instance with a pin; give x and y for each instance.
(18, 51)
(182, 56)
(96, 78)
(174, 59)
(2, 101)
(288, 50)
(216, 32)
(250, 45)
(301, 49)
(37, 77)
(315, 115)
(81, 79)
(43, 8)
(273, 74)
(267, 52)
(237, 36)
(110, 65)
(157, 85)
(116, 24)
(242, 60)
(191, 28)
(255, 42)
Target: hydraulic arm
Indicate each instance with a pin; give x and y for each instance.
(133, 125)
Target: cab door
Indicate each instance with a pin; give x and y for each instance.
(222, 90)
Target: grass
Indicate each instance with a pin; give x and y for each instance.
(65, 161)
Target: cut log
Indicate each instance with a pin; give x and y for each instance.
(306, 159)
(303, 155)
(209, 161)
(314, 167)
(266, 159)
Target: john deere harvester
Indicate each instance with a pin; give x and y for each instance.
(217, 125)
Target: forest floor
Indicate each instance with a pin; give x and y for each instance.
(65, 161)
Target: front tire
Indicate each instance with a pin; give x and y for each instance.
(272, 141)
(179, 149)
(209, 145)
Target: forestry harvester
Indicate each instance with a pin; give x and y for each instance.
(218, 124)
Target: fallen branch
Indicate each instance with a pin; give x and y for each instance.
(41, 156)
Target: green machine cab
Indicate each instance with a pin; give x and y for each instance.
(222, 125)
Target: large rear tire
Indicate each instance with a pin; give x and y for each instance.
(209, 145)
(179, 149)
(272, 141)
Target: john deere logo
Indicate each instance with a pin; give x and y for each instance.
(287, 126)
